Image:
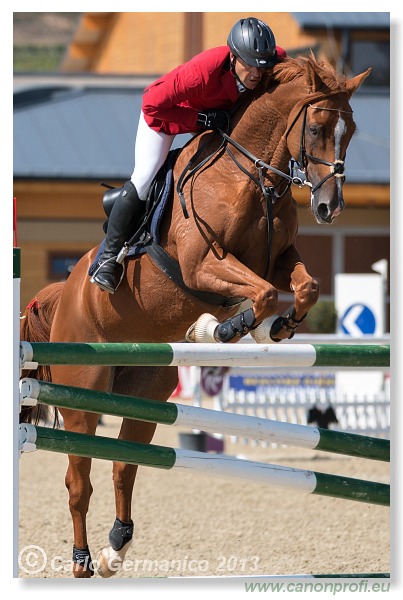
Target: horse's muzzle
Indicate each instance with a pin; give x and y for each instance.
(324, 211)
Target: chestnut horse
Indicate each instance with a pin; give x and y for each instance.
(235, 202)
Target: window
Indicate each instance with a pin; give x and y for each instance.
(316, 253)
(371, 53)
(61, 264)
(362, 251)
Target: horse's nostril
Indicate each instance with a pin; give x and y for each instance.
(323, 211)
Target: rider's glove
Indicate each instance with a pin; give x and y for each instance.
(213, 119)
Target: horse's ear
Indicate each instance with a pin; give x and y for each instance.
(353, 84)
(313, 80)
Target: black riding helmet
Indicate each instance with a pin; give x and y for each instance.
(253, 41)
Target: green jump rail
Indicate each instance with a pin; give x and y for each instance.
(310, 482)
(171, 413)
(177, 354)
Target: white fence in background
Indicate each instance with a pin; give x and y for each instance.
(368, 414)
(359, 398)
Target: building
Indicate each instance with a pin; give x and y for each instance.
(76, 128)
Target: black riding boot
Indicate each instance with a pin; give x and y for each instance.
(126, 212)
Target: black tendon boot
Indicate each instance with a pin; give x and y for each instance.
(126, 212)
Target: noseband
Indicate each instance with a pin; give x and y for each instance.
(336, 167)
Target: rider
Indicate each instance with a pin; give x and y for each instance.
(192, 97)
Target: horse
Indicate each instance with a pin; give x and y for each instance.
(232, 231)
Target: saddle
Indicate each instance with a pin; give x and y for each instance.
(145, 240)
(157, 200)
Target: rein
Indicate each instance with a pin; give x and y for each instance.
(192, 168)
(269, 192)
(336, 167)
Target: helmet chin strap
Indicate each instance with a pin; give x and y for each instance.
(241, 86)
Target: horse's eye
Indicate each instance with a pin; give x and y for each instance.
(314, 130)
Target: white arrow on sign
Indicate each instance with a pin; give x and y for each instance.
(349, 321)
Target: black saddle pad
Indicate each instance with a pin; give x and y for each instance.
(157, 202)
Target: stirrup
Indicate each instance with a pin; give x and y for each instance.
(104, 288)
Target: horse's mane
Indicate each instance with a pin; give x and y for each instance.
(291, 68)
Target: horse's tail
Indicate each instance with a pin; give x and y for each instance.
(36, 323)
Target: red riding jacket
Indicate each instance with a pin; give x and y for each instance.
(171, 103)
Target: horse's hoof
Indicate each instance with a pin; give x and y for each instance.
(110, 560)
(203, 330)
(261, 334)
(80, 572)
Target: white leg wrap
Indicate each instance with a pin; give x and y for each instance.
(261, 334)
(110, 560)
(203, 330)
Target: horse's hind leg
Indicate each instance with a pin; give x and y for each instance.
(148, 382)
(78, 473)
(80, 489)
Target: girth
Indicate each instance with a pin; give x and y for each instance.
(171, 268)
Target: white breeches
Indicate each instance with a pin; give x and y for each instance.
(150, 152)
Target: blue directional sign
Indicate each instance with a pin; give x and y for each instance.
(358, 320)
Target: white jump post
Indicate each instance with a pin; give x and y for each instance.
(16, 400)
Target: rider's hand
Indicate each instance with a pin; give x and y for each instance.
(214, 119)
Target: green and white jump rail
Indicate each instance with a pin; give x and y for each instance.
(310, 482)
(212, 421)
(191, 354)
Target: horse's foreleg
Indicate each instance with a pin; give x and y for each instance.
(291, 275)
(306, 291)
(157, 383)
(229, 277)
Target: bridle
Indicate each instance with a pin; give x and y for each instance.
(169, 265)
(336, 167)
(270, 193)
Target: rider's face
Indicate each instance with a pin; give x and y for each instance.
(249, 76)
